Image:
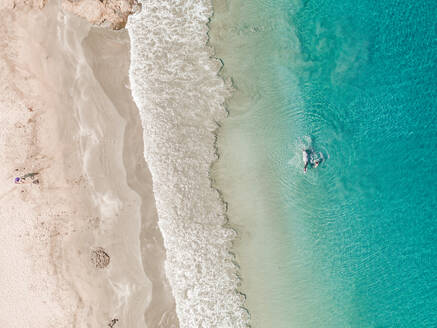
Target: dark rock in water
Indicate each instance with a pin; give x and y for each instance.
(100, 258)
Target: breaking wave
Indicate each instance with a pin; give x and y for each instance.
(175, 84)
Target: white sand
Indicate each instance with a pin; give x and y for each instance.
(65, 112)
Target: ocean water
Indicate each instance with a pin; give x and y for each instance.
(352, 243)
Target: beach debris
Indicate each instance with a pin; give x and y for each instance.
(100, 258)
(112, 323)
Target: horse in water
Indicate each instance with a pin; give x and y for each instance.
(310, 156)
(305, 159)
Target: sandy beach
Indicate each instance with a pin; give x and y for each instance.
(80, 244)
(160, 164)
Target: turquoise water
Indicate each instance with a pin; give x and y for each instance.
(352, 243)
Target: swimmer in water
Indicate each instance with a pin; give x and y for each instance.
(317, 160)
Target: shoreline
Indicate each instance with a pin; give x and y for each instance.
(94, 229)
(176, 86)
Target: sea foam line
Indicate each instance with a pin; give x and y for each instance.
(176, 86)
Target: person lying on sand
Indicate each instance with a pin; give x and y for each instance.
(29, 175)
(24, 177)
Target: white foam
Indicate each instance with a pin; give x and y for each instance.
(175, 84)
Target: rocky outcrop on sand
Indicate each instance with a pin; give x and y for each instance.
(110, 13)
(105, 13)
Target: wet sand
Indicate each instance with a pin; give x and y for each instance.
(67, 114)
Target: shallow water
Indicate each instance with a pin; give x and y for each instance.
(351, 243)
